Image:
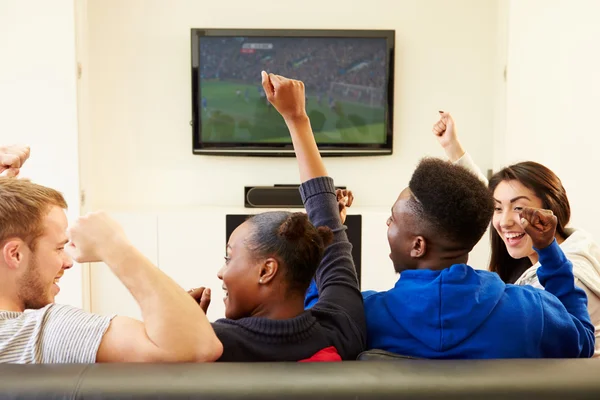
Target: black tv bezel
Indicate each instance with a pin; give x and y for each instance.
(286, 149)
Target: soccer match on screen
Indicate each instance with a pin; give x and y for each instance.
(345, 81)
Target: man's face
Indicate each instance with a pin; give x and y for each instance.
(400, 234)
(38, 283)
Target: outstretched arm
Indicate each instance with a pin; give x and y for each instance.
(568, 331)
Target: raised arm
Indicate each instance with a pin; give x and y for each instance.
(287, 96)
(174, 329)
(568, 330)
(340, 305)
(445, 132)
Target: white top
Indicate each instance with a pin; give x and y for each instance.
(53, 334)
(579, 248)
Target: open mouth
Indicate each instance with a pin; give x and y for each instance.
(514, 238)
(55, 284)
(226, 293)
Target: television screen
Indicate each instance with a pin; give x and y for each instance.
(347, 75)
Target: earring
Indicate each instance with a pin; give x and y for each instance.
(260, 280)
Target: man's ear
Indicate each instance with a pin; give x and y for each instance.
(419, 247)
(268, 270)
(14, 253)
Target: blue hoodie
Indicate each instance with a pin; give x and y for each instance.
(460, 312)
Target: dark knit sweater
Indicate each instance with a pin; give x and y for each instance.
(337, 319)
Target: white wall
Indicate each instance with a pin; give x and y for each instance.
(553, 96)
(38, 100)
(139, 95)
(138, 102)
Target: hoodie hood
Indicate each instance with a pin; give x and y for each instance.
(443, 308)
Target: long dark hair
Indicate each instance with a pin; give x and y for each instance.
(548, 187)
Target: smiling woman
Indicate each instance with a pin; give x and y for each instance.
(526, 184)
(273, 255)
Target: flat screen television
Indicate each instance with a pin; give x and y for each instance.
(348, 76)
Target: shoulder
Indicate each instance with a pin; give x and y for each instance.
(63, 311)
(372, 295)
(584, 253)
(62, 319)
(580, 242)
(372, 299)
(226, 328)
(528, 296)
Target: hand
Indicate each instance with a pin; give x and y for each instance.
(286, 95)
(202, 296)
(540, 225)
(445, 131)
(345, 199)
(96, 237)
(12, 159)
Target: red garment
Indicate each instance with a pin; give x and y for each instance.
(328, 354)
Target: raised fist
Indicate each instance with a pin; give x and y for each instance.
(12, 159)
(96, 237)
(345, 199)
(286, 95)
(540, 225)
(444, 130)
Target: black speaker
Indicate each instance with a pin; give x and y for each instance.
(276, 196)
(354, 232)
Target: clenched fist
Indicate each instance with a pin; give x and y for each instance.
(540, 225)
(96, 237)
(286, 95)
(345, 199)
(202, 296)
(445, 132)
(12, 159)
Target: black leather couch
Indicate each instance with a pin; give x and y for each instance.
(376, 378)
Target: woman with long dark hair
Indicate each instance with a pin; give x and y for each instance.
(529, 184)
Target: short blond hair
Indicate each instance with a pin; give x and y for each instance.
(23, 206)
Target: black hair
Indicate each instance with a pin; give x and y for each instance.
(293, 240)
(548, 188)
(452, 201)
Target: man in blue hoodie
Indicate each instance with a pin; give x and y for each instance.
(442, 308)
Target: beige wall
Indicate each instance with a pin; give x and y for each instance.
(139, 95)
(553, 96)
(38, 99)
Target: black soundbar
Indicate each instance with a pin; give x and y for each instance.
(276, 196)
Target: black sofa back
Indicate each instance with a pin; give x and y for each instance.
(403, 379)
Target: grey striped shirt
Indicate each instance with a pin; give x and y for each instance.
(53, 334)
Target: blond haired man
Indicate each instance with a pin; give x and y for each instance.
(35, 252)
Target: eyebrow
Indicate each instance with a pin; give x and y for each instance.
(64, 242)
(514, 199)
